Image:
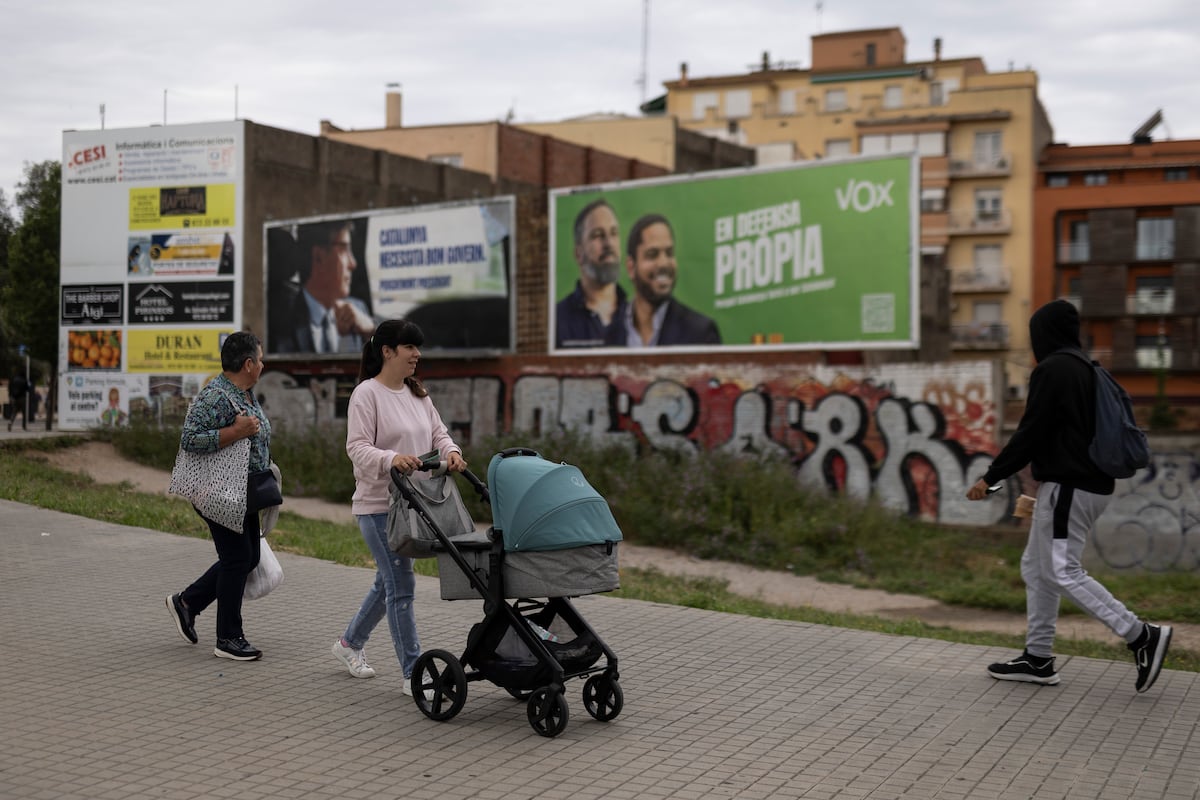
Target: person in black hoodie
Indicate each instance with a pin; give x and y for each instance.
(1053, 437)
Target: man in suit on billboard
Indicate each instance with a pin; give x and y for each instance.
(654, 316)
(593, 314)
(322, 316)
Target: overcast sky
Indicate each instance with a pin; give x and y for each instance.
(1104, 67)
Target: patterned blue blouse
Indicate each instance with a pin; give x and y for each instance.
(218, 403)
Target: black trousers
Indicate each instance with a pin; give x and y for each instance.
(225, 581)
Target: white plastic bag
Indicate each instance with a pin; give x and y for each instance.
(266, 576)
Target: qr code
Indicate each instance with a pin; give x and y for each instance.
(878, 313)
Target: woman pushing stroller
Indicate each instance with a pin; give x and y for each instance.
(391, 420)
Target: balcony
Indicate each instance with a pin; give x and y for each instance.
(964, 222)
(996, 279)
(1157, 301)
(1155, 251)
(979, 336)
(981, 166)
(1152, 357)
(1073, 252)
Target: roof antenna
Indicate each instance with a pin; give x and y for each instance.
(820, 8)
(642, 80)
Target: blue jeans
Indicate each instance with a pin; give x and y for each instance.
(392, 592)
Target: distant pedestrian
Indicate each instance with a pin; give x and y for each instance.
(1053, 437)
(18, 396)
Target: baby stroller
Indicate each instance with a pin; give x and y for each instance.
(552, 537)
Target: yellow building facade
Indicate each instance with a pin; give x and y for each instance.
(978, 134)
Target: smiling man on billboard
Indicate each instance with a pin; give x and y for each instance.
(654, 316)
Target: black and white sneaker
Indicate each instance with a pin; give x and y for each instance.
(237, 649)
(1026, 668)
(185, 623)
(1148, 653)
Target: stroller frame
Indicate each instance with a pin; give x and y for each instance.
(439, 680)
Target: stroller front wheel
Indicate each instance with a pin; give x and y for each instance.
(439, 685)
(602, 697)
(547, 711)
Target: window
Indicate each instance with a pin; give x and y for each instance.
(737, 104)
(937, 96)
(450, 159)
(1076, 247)
(893, 96)
(873, 145)
(933, 201)
(987, 149)
(1152, 352)
(701, 102)
(1057, 180)
(1155, 238)
(835, 100)
(837, 148)
(987, 260)
(926, 144)
(787, 102)
(1153, 294)
(1095, 179)
(870, 54)
(987, 205)
(931, 143)
(1172, 174)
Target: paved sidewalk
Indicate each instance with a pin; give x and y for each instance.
(102, 699)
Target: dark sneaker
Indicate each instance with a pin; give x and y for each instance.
(1026, 668)
(185, 623)
(1148, 654)
(238, 649)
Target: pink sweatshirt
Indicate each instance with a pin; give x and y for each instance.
(382, 423)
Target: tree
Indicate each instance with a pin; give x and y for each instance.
(29, 287)
(7, 225)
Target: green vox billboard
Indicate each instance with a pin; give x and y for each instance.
(815, 256)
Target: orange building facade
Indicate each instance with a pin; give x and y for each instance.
(1117, 232)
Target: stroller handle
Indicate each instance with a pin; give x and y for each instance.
(480, 487)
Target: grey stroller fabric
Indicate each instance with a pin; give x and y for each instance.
(554, 573)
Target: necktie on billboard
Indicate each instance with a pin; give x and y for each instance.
(327, 334)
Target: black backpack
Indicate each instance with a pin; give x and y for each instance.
(1119, 447)
(17, 387)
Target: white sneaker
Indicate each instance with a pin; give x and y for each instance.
(355, 660)
(406, 687)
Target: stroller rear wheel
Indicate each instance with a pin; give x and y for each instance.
(547, 711)
(602, 697)
(439, 685)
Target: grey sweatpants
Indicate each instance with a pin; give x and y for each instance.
(1051, 567)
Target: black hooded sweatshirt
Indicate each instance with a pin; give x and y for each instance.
(1060, 411)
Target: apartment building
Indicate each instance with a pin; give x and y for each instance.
(977, 132)
(1117, 232)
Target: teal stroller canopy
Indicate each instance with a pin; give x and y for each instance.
(540, 505)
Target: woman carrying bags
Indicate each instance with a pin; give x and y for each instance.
(391, 421)
(224, 413)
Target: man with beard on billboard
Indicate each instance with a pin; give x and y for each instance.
(593, 314)
(654, 316)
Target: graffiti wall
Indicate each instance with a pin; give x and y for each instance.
(913, 436)
(1153, 520)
